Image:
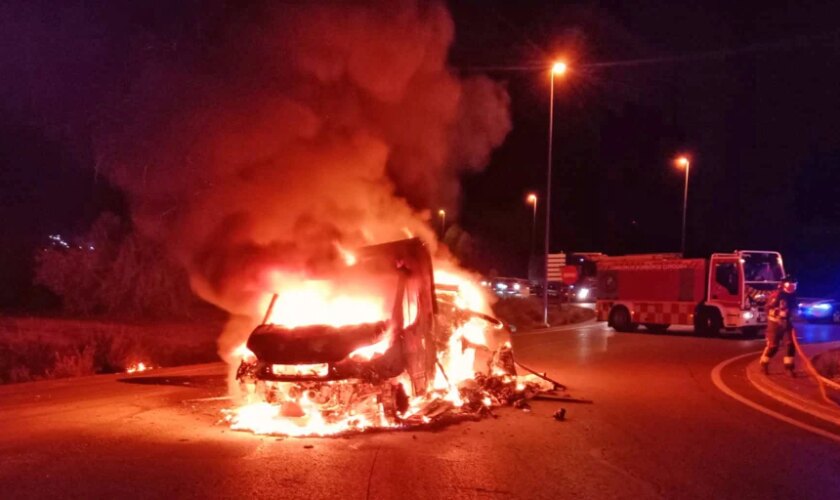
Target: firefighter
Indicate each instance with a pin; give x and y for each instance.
(780, 309)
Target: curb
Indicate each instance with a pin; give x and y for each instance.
(790, 398)
(559, 328)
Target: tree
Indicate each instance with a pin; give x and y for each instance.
(114, 271)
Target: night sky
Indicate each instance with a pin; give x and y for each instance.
(748, 90)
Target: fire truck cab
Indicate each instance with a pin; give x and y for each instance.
(726, 292)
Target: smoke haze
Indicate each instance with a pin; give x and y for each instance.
(293, 128)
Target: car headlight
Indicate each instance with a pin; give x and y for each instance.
(501, 286)
(583, 294)
(517, 286)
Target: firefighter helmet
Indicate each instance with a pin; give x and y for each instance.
(788, 284)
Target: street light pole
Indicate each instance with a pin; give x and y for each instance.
(559, 68)
(686, 164)
(532, 200)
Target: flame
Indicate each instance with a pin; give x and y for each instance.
(367, 353)
(469, 296)
(315, 302)
(266, 418)
(138, 367)
(348, 256)
(300, 410)
(242, 352)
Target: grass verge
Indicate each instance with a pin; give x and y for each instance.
(828, 364)
(527, 313)
(47, 348)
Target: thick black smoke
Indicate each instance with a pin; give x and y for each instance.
(296, 127)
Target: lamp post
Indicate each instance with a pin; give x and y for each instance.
(532, 200)
(442, 215)
(557, 69)
(685, 163)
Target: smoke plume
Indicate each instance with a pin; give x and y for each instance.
(293, 128)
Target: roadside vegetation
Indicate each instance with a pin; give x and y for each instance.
(527, 313)
(828, 364)
(117, 300)
(47, 348)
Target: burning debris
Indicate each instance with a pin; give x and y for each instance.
(138, 367)
(266, 150)
(427, 356)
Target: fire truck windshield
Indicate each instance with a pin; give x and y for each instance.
(762, 267)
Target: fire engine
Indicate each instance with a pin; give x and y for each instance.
(726, 292)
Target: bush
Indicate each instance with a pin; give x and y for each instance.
(828, 364)
(527, 313)
(75, 363)
(35, 348)
(111, 271)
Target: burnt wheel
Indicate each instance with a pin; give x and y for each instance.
(621, 320)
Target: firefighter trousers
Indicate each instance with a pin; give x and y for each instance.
(777, 332)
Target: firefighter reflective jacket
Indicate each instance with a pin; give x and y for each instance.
(780, 306)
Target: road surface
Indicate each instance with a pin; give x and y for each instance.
(659, 428)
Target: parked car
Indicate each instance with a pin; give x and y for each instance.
(821, 310)
(581, 292)
(509, 287)
(537, 289)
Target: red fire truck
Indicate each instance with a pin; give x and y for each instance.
(726, 292)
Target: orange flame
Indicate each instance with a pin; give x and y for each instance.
(315, 302)
(319, 302)
(138, 367)
(348, 256)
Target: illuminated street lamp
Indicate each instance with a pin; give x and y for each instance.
(532, 200)
(684, 162)
(558, 69)
(442, 216)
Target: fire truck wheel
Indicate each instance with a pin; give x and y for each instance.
(707, 322)
(656, 327)
(620, 320)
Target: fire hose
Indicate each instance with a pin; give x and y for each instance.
(822, 381)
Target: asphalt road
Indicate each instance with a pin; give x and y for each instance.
(659, 428)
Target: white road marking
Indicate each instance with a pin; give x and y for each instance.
(718, 381)
(791, 399)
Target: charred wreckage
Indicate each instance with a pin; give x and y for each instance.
(429, 359)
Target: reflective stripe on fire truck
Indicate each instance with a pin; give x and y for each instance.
(662, 313)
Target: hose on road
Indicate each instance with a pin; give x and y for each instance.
(822, 382)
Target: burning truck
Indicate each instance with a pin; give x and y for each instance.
(377, 343)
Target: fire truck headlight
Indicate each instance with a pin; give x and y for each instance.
(748, 315)
(583, 294)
